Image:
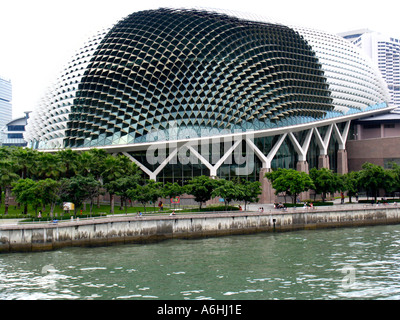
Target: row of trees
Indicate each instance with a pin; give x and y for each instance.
(203, 188)
(40, 178)
(45, 179)
(371, 178)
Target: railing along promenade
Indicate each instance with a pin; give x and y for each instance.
(155, 226)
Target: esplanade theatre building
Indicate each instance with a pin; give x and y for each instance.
(189, 92)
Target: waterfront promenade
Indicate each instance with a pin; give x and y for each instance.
(120, 229)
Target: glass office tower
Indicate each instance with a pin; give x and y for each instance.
(5, 103)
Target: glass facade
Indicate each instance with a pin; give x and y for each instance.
(5, 103)
(172, 74)
(286, 157)
(13, 132)
(200, 71)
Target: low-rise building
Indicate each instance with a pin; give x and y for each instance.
(13, 132)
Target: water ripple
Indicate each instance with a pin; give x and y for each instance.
(353, 263)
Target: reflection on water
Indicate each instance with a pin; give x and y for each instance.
(351, 263)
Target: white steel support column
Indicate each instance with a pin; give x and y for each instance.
(201, 158)
(301, 150)
(141, 166)
(268, 193)
(323, 143)
(164, 163)
(342, 160)
(342, 137)
(323, 159)
(214, 168)
(153, 175)
(266, 160)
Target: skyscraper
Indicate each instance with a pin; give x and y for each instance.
(5, 102)
(384, 52)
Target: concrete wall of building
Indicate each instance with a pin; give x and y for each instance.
(378, 130)
(372, 150)
(119, 230)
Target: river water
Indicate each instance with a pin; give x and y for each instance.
(348, 263)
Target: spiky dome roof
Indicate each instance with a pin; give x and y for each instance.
(202, 72)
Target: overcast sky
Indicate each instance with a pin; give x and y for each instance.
(39, 37)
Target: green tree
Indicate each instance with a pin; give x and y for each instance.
(372, 178)
(77, 190)
(93, 189)
(172, 190)
(290, 182)
(49, 191)
(5, 154)
(8, 176)
(325, 181)
(91, 163)
(350, 183)
(48, 166)
(27, 161)
(201, 188)
(392, 183)
(113, 169)
(23, 189)
(34, 193)
(225, 189)
(68, 161)
(121, 187)
(248, 192)
(145, 193)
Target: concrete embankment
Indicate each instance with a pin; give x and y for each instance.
(119, 230)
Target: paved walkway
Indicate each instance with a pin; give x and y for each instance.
(9, 221)
(267, 208)
(336, 203)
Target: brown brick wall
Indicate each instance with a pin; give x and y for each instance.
(371, 150)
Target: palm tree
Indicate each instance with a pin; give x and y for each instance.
(49, 166)
(69, 161)
(27, 160)
(5, 153)
(113, 169)
(7, 177)
(91, 164)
